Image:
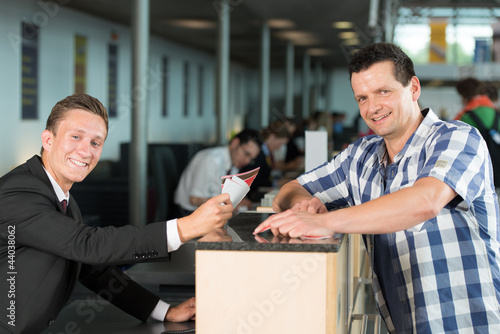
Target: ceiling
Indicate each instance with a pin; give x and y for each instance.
(311, 17)
(308, 16)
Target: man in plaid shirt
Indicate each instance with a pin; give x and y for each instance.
(421, 192)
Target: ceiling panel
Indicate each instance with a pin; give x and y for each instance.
(312, 16)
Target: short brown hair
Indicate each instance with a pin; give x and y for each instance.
(380, 52)
(277, 128)
(75, 101)
(470, 87)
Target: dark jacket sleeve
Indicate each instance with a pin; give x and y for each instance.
(45, 228)
(113, 285)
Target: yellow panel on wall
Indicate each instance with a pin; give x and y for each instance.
(80, 64)
(437, 50)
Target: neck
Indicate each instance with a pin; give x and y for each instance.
(394, 146)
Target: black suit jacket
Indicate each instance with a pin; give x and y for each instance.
(43, 251)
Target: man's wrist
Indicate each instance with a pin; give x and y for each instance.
(184, 229)
(166, 313)
(160, 311)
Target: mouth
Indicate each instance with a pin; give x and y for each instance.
(78, 163)
(381, 117)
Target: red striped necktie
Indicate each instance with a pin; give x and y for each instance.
(64, 205)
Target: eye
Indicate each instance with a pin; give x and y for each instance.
(96, 144)
(75, 137)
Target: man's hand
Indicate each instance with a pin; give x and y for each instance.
(312, 205)
(182, 312)
(294, 224)
(289, 195)
(212, 214)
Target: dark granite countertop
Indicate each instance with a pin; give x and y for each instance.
(240, 237)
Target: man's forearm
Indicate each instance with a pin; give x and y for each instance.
(289, 194)
(394, 212)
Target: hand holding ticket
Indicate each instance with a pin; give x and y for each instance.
(238, 185)
(236, 188)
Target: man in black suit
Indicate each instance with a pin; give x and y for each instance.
(45, 247)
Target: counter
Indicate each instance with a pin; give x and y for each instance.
(241, 228)
(267, 284)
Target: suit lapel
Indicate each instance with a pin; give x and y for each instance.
(35, 167)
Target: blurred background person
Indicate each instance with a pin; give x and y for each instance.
(474, 95)
(273, 137)
(480, 111)
(201, 179)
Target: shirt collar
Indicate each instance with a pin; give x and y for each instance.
(59, 192)
(422, 132)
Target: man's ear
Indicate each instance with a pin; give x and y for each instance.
(234, 143)
(47, 138)
(415, 88)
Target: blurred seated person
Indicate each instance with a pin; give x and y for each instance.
(201, 179)
(274, 137)
(341, 137)
(289, 157)
(475, 97)
(294, 150)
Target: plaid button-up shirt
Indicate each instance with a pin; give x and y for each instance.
(446, 269)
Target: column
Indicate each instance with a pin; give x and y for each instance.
(222, 89)
(264, 74)
(138, 143)
(290, 67)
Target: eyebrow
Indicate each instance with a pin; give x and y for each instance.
(85, 132)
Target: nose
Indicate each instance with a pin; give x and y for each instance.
(373, 105)
(84, 149)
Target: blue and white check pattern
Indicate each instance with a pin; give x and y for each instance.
(448, 266)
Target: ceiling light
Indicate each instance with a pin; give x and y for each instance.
(298, 37)
(348, 34)
(351, 41)
(280, 24)
(318, 52)
(192, 23)
(342, 25)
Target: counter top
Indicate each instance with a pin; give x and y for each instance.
(240, 237)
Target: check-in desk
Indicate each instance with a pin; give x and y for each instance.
(267, 284)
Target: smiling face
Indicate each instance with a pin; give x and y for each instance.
(73, 151)
(390, 109)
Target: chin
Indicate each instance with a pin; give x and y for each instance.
(78, 178)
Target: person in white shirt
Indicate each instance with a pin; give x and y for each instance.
(201, 179)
